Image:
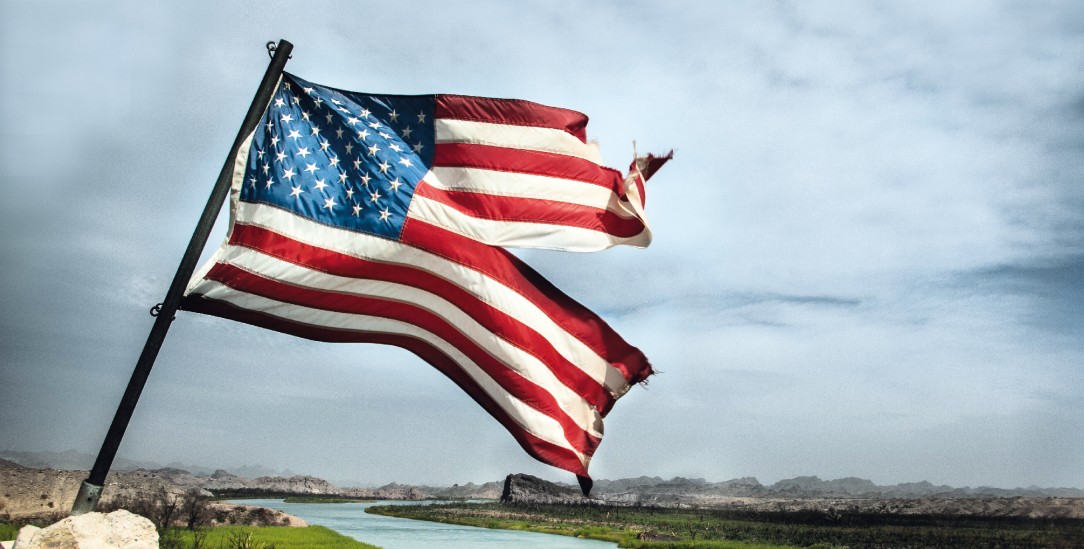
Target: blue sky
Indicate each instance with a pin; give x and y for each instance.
(868, 256)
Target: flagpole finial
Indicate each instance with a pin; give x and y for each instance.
(271, 47)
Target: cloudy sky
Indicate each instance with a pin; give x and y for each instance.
(868, 256)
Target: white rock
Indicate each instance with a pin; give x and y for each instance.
(117, 530)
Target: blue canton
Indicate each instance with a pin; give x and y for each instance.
(344, 159)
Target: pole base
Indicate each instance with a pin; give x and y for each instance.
(87, 499)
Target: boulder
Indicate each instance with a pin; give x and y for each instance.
(117, 530)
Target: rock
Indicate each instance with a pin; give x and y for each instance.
(530, 489)
(117, 530)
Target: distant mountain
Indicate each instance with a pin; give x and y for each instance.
(72, 460)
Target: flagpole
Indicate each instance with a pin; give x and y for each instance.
(91, 488)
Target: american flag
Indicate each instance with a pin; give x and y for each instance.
(380, 218)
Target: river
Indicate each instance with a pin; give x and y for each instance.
(399, 533)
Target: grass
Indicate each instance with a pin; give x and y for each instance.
(280, 537)
(8, 531)
(700, 528)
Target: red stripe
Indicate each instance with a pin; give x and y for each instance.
(533, 210)
(541, 450)
(511, 111)
(499, 264)
(493, 319)
(504, 159)
(516, 385)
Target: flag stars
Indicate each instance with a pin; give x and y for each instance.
(406, 162)
(324, 145)
(309, 90)
(395, 184)
(329, 204)
(266, 167)
(296, 192)
(365, 113)
(333, 162)
(384, 167)
(349, 148)
(318, 102)
(304, 115)
(374, 125)
(311, 168)
(329, 117)
(365, 179)
(395, 147)
(385, 214)
(353, 120)
(374, 196)
(274, 140)
(269, 183)
(385, 135)
(373, 149)
(296, 134)
(280, 156)
(357, 210)
(320, 185)
(417, 148)
(394, 116)
(315, 130)
(363, 134)
(339, 133)
(342, 178)
(270, 126)
(279, 102)
(286, 118)
(288, 174)
(421, 118)
(303, 152)
(349, 193)
(406, 132)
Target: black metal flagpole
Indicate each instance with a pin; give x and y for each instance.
(91, 489)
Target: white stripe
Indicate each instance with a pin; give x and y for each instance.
(515, 137)
(522, 362)
(519, 233)
(528, 418)
(525, 185)
(474, 282)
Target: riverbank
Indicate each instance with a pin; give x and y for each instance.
(643, 527)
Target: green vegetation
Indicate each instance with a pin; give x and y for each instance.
(266, 537)
(8, 531)
(322, 499)
(657, 528)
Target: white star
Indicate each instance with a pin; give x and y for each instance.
(339, 133)
(296, 100)
(315, 130)
(407, 131)
(287, 118)
(373, 150)
(333, 161)
(304, 115)
(269, 182)
(374, 125)
(308, 90)
(349, 148)
(310, 167)
(374, 196)
(395, 184)
(363, 134)
(357, 163)
(395, 147)
(259, 153)
(349, 192)
(418, 148)
(274, 140)
(296, 134)
(329, 117)
(342, 178)
(365, 179)
(266, 168)
(270, 125)
(303, 152)
(344, 109)
(385, 136)
(324, 145)
(421, 118)
(296, 192)
(280, 156)
(320, 185)
(405, 162)
(252, 181)
(336, 101)
(352, 120)
(288, 174)
(357, 210)
(286, 85)
(279, 102)
(365, 113)
(329, 203)
(385, 214)
(393, 115)
(384, 166)
(318, 102)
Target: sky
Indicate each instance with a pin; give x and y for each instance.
(868, 256)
